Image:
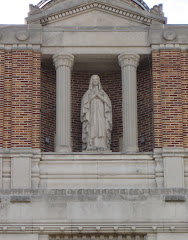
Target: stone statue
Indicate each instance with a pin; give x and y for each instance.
(96, 117)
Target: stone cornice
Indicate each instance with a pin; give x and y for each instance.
(11, 47)
(100, 6)
(63, 60)
(100, 228)
(129, 60)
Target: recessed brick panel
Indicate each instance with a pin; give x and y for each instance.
(157, 108)
(184, 80)
(20, 99)
(145, 106)
(111, 83)
(48, 107)
(36, 100)
(169, 93)
(7, 101)
(2, 75)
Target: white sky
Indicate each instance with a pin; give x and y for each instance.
(14, 11)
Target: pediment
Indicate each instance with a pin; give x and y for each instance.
(94, 18)
(94, 13)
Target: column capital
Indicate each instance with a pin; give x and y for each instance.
(63, 60)
(129, 60)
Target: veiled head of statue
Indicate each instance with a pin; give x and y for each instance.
(95, 81)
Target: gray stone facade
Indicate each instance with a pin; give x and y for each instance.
(103, 195)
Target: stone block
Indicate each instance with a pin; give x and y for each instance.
(173, 172)
(20, 172)
(43, 237)
(172, 236)
(18, 236)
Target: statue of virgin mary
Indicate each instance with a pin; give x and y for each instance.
(96, 117)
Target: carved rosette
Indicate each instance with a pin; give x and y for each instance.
(63, 60)
(22, 35)
(129, 60)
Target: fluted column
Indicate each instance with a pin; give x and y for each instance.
(63, 64)
(129, 64)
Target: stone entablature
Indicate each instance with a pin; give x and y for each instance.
(94, 212)
(54, 11)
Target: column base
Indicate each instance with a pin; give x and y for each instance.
(131, 149)
(63, 149)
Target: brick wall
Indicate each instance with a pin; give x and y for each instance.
(20, 107)
(48, 106)
(170, 94)
(20, 101)
(145, 106)
(111, 83)
(2, 76)
(184, 81)
(7, 101)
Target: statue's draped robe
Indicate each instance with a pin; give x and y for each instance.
(96, 117)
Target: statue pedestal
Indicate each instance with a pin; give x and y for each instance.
(97, 151)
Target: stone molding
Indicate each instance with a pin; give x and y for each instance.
(129, 60)
(93, 171)
(94, 229)
(61, 225)
(101, 6)
(20, 47)
(63, 60)
(91, 236)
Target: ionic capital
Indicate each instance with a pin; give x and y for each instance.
(129, 60)
(63, 60)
